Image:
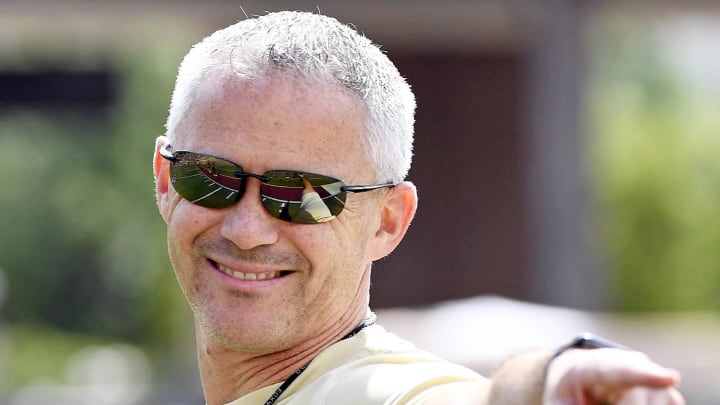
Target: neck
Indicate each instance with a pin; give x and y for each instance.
(228, 374)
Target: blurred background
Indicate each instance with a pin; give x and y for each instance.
(566, 159)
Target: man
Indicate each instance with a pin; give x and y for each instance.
(269, 118)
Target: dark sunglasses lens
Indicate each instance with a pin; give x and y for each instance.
(206, 180)
(305, 198)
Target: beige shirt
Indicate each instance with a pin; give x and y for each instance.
(373, 367)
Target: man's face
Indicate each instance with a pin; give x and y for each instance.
(299, 280)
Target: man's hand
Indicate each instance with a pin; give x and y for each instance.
(609, 376)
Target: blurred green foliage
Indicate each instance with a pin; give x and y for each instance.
(39, 352)
(82, 246)
(656, 167)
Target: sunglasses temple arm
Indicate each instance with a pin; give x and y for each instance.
(360, 189)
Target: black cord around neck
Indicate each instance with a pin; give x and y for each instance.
(282, 388)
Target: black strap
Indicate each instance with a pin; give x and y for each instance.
(282, 388)
(285, 385)
(588, 341)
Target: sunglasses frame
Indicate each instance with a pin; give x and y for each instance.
(173, 157)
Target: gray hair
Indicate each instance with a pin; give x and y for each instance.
(318, 48)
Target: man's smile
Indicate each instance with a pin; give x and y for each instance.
(249, 276)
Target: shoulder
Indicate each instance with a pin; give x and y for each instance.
(377, 367)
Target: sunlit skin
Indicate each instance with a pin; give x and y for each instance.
(252, 333)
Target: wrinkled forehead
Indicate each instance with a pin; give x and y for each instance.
(223, 90)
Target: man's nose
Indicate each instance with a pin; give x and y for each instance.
(247, 223)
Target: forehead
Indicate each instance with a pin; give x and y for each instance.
(278, 120)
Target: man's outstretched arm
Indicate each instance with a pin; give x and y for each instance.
(575, 377)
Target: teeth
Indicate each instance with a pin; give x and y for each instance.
(248, 276)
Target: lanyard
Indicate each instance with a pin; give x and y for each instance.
(367, 322)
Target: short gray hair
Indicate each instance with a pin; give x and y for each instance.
(314, 47)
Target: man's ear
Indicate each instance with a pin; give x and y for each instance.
(398, 210)
(161, 170)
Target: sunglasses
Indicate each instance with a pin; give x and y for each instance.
(290, 195)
